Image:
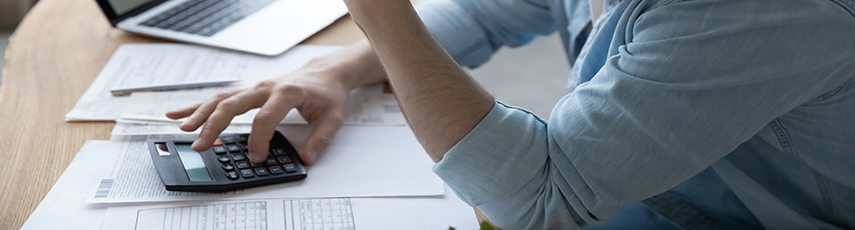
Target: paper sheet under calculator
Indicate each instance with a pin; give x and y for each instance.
(303, 214)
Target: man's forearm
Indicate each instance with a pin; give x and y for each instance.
(439, 99)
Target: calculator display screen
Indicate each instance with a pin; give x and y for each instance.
(193, 163)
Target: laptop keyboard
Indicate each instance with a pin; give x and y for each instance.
(205, 17)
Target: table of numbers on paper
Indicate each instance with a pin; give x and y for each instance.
(301, 214)
(230, 216)
(319, 214)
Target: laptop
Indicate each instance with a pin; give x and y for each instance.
(266, 27)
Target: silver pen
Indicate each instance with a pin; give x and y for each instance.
(127, 91)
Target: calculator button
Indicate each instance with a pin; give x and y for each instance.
(243, 147)
(228, 139)
(243, 138)
(284, 160)
(233, 148)
(261, 171)
(223, 158)
(247, 173)
(238, 157)
(256, 164)
(242, 164)
(276, 169)
(277, 151)
(232, 175)
(289, 168)
(219, 149)
(271, 161)
(228, 167)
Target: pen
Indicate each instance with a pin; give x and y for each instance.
(127, 91)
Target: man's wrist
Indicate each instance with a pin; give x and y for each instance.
(352, 67)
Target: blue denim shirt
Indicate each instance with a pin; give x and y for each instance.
(743, 110)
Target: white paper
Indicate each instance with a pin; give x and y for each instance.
(77, 178)
(64, 205)
(299, 214)
(141, 64)
(361, 161)
(125, 128)
(362, 108)
(71, 213)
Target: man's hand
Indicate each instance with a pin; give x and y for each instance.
(319, 91)
(320, 102)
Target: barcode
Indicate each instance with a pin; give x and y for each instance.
(104, 188)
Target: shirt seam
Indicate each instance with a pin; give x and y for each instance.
(823, 186)
(784, 138)
(850, 7)
(829, 94)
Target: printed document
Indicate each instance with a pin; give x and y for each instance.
(298, 214)
(147, 64)
(361, 161)
(64, 207)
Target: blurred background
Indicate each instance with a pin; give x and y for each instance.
(532, 77)
(11, 12)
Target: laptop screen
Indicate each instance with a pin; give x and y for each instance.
(123, 6)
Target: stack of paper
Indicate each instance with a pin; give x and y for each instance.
(137, 65)
(374, 174)
(418, 201)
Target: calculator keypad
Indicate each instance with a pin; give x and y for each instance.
(238, 157)
(276, 169)
(247, 173)
(219, 150)
(237, 165)
(232, 175)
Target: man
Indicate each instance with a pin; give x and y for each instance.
(715, 114)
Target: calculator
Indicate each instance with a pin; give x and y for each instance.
(226, 167)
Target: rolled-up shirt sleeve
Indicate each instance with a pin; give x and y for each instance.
(472, 30)
(672, 97)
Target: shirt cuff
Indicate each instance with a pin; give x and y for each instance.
(457, 31)
(498, 157)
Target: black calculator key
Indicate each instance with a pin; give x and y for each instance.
(232, 175)
(278, 151)
(223, 158)
(233, 148)
(289, 168)
(238, 157)
(219, 149)
(271, 161)
(228, 139)
(284, 159)
(256, 164)
(228, 167)
(276, 169)
(247, 173)
(243, 147)
(261, 171)
(242, 164)
(243, 138)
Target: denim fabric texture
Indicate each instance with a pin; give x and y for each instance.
(715, 113)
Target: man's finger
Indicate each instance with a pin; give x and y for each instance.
(182, 113)
(323, 130)
(222, 116)
(201, 113)
(265, 122)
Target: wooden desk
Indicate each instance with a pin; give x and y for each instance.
(53, 56)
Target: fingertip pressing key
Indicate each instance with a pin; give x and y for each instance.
(198, 144)
(257, 157)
